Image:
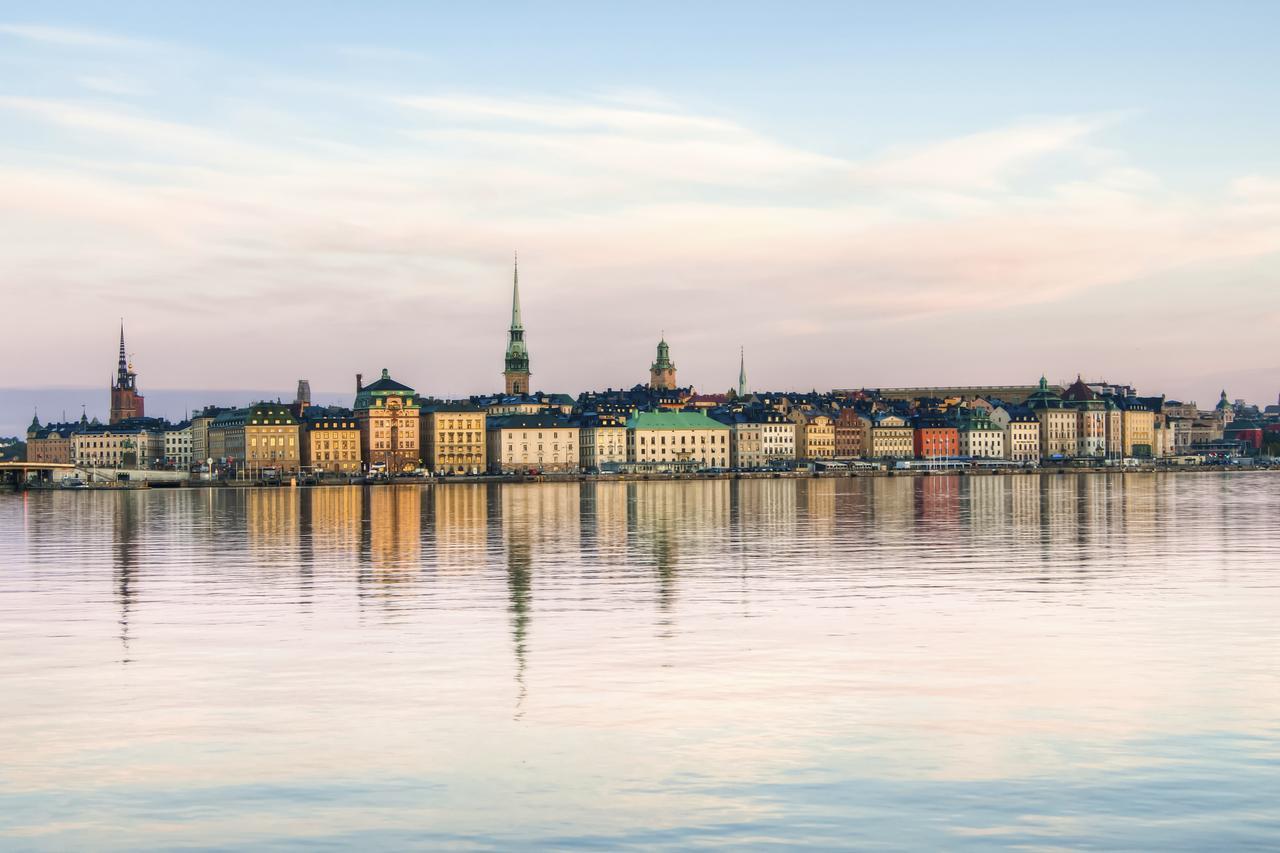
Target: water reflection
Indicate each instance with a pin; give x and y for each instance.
(1068, 660)
(125, 566)
(394, 537)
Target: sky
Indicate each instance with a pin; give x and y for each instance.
(858, 195)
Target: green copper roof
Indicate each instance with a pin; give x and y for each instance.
(673, 420)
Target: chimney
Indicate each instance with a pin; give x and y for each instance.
(359, 382)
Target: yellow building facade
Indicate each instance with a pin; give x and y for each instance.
(453, 438)
(331, 444)
(815, 435)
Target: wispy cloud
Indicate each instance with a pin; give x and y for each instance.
(52, 35)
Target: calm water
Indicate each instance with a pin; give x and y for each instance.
(1084, 661)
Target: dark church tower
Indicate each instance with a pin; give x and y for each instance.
(126, 402)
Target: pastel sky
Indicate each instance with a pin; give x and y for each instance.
(859, 194)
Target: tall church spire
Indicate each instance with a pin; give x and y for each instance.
(122, 369)
(742, 372)
(515, 295)
(126, 402)
(516, 364)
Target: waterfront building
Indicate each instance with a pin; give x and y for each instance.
(1021, 432)
(261, 440)
(126, 402)
(677, 437)
(1137, 428)
(523, 444)
(387, 412)
(1091, 419)
(453, 437)
(52, 442)
(201, 452)
(516, 364)
(815, 434)
(602, 440)
(759, 438)
(330, 440)
(1114, 428)
(662, 373)
(934, 438)
(777, 437)
(1058, 438)
(979, 437)
(851, 433)
(178, 446)
(133, 443)
(891, 437)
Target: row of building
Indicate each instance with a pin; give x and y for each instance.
(391, 429)
(658, 426)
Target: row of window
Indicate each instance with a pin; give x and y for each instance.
(683, 439)
(270, 441)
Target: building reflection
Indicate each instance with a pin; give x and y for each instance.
(129, 509)
(603, 514)
(272, 521)
(459, 522)
(520, 610)
(533, 518)
(667, 518)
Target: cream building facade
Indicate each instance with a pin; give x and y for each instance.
(980, 438)
(132, 444)
(178, 446)
(1021, 433)
(522, 444)
(677, 437)
(602, 440)
(891, 437)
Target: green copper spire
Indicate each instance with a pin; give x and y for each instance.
(742, 372)
(663, 361)
(516, 367)
(515, 295)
